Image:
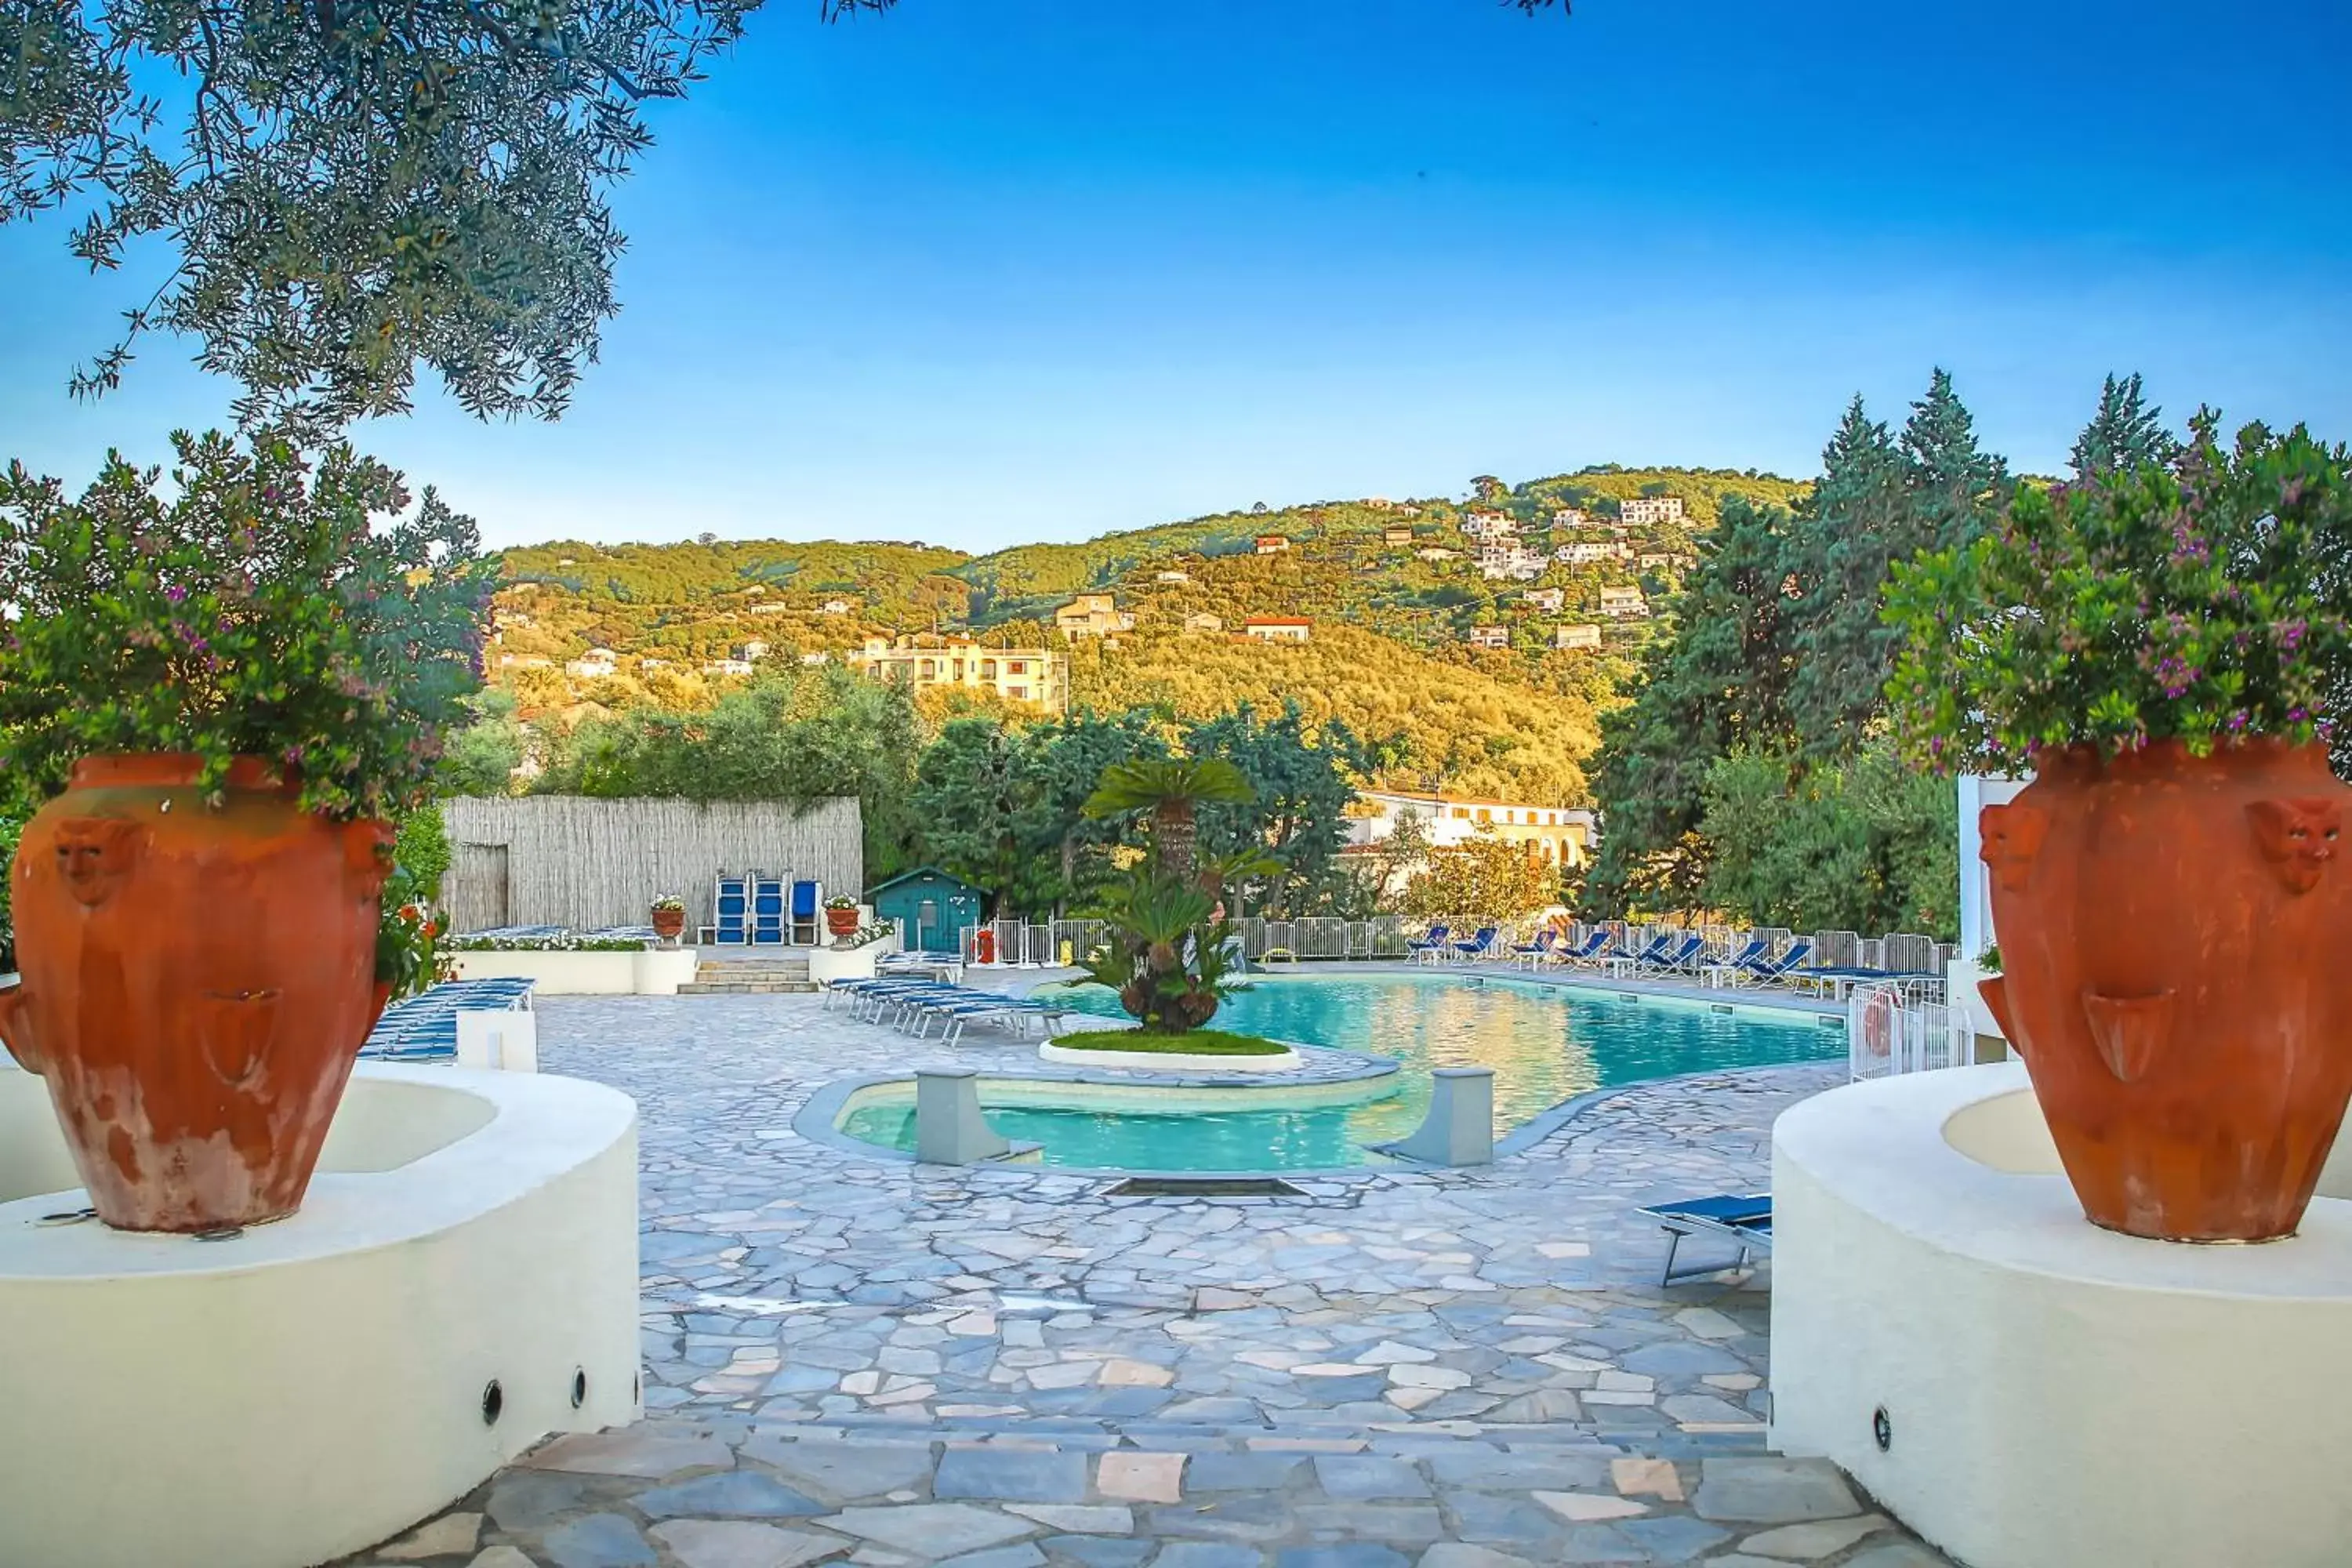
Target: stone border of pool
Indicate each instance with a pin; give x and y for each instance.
(1326, 1068)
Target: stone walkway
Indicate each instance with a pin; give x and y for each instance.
(880, 1364)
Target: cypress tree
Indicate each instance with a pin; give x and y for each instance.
(1847, 533)
(1720, 681)
(1956, 488)
(2126, 432)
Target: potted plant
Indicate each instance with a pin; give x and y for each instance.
(841, 917)
(222, 693)
(669, 918)
(2159, 648)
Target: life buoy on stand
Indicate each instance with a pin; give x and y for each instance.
(983, 946)
(1878, 1024)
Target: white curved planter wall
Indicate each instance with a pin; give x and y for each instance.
(1166, 1061)
(2057, 1395)
(308, 1388)
(647, 972)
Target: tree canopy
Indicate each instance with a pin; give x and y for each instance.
(1751, 775)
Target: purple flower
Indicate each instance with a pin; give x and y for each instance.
(176, 593)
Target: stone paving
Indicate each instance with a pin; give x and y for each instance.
(877, 1363)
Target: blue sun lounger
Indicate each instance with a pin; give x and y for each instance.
(1746, 1222)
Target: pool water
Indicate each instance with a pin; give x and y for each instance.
(1130, 1139)
(1546, 1044)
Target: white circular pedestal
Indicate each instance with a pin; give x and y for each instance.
(308, 1388)
(2057, 1395)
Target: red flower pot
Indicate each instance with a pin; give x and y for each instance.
(841, 922)
(669, 923)
(194, 985)
(2171, 936)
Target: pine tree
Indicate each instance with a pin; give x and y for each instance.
(2126, 432)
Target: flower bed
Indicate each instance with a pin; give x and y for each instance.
(1197, 1050)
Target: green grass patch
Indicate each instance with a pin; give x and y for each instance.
(1199, 1043)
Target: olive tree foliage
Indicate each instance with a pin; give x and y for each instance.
(344, 189)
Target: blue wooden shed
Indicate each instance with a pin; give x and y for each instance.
(936, 908)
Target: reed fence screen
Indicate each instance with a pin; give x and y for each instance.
(582, 862)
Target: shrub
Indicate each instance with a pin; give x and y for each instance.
(2200, 601)
(273, 606)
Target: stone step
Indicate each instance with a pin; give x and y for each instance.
(747, 988)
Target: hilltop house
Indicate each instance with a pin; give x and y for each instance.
(598, 662)
(1622, 602)
(1572, 517)
(725, 667)
(653, 664)
(1490, 525)
(1272, 543)
(1408, 511)
(1512, 561)
(1648, 511)
(1547, 600)
(1201, 621)
(1590, 554)
(1396, 536)
(776, 607)
(1092, 616)
(834, 606)
(754, 649)
(1562, 835)
(1488, 637)
(1654, 561)
(1582, 635)
(1438, 552)
(1015, 674)
(1171, 576)
(813, 659)
(1278, 628)
(524, 661)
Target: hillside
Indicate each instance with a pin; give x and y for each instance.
(1487, 732)
(1397, 590)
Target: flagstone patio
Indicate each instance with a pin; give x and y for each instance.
(881, 1364)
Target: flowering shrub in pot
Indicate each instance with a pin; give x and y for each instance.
(841, 917)
(2158, 648)
(223, 690)
(668, 917)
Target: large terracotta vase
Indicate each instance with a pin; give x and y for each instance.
(196, 982)
(2176, 944)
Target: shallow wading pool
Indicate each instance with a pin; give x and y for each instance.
(1546, 1044)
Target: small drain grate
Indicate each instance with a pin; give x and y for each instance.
(1204, 1187)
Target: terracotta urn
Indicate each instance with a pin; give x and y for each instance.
(2176, 943)
(841, 922)
(194, 984)
(668, 925)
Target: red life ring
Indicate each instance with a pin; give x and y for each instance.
(1878, 1024)
(983, 946)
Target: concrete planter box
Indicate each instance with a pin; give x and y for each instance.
(647, 972)
(1165, 1061)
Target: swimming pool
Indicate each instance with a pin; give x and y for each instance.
(1546, 1044)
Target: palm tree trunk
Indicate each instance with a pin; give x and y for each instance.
(1175, 837)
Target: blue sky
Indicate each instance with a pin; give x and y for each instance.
(982, 271)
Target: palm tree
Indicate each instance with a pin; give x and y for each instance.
(1169, 789)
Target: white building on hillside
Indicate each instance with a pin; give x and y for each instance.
(1563, 834)
(1278, 628)
(597, 663)
(1648, 511)
(1590, 554)
(1623, 601)
(1586, 635)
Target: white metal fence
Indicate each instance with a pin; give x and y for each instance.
(1890, 1030)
